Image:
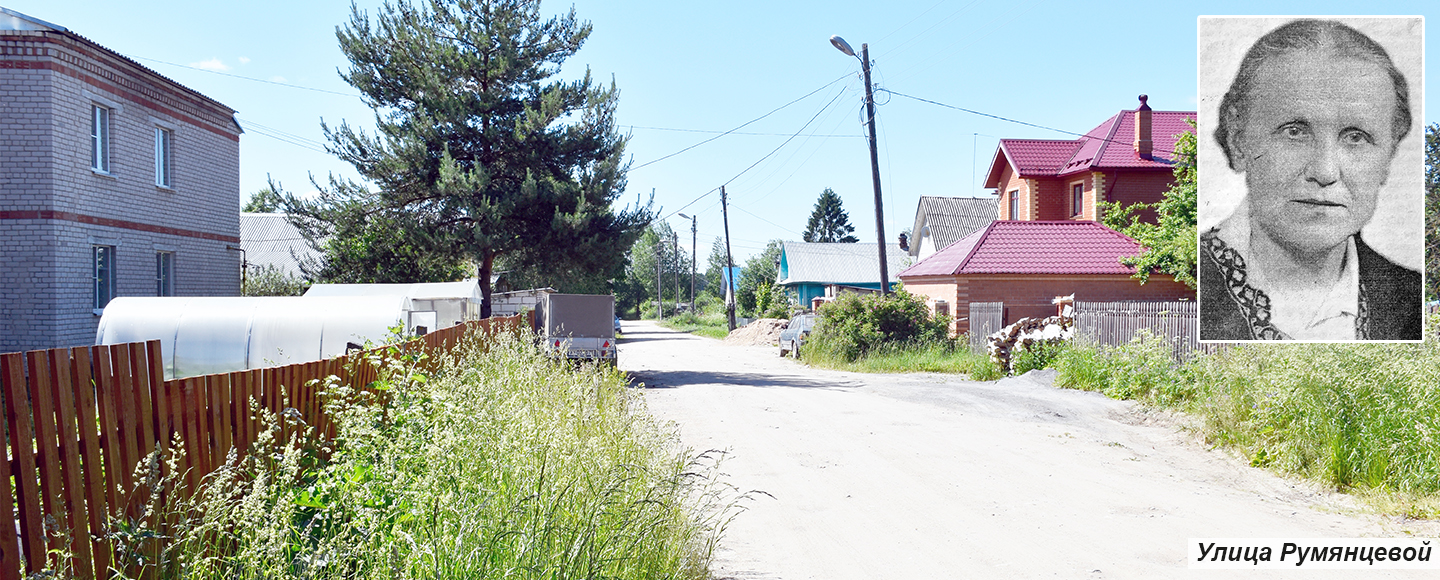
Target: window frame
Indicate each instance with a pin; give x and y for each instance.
(164, 157)
(164, 273)
(101, 137)
(1014, 204)
(102, 276)
(1077, 198)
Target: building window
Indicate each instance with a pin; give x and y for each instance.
(942, 308)
(1077, 199)
(100, 138)
(164, 273)
(1015, 204)
(164, 139)
(104, 275)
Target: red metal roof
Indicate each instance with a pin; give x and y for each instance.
(1032, 247)
(1110, 145)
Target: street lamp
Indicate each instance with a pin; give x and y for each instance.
(864, 57)
(694, 254)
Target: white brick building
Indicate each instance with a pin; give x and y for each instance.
(114, 181)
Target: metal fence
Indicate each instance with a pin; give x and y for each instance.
(1117, 323)
(985, 319)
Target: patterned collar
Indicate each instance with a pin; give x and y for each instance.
(1229, 243)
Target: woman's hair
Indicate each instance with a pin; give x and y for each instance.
(1317, 36)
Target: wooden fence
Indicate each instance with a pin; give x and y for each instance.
(1117, 323)
(79, 420)
(985, 319)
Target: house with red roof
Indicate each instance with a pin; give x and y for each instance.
(1048, 241)
(1129, 158)
(1026, 264)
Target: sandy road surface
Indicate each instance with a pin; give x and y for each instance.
(927, 476)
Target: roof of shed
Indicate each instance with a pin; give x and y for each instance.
(270, 238)
(827, 263)
(1032, 247)
(950, 218)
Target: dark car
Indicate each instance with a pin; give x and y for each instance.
(794, 335)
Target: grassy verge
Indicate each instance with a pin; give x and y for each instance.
(1357, 417)
(955, 358)
(707, 324)
(501, 464)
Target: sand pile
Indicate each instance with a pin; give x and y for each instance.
(762, 332)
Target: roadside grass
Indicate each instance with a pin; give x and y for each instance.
(707, 324)
(1363, 418)
(933, 357)
(501, 464)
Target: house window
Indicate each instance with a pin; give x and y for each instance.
(942, 308)
(104, 275)
(164, 273)
(164, 139)
(100, 138)
(1015, 204)
(1077, 198)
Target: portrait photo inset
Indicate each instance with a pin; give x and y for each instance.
(1310, 179)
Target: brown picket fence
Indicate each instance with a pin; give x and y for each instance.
(79, 420)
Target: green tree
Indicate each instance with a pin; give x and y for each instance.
(480, 153)
(360, 245)
(267, 200)
(657, 243)
(270, 280)
(1169, 243)
(829, 222)
(1432, 211)
(756, 277)
(714, 265)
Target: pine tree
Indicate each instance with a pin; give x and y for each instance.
(829, 222)
(480, 153)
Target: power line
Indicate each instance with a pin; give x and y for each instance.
(252, 79)
(733, 132)
(746, 124)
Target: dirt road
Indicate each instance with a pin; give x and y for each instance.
(927, 476)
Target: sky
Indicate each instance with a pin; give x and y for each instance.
(689, 71)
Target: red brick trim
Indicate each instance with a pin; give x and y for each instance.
(61, 62)
(113, 223)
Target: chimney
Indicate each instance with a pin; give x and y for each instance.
(1144, 147)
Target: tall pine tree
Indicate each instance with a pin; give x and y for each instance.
(480, 153)
(829, 222)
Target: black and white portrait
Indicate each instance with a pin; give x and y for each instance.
(1310, 178)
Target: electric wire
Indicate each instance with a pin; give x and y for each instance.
(252, 79)
(746, 124)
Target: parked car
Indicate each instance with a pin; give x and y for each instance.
(795, 334)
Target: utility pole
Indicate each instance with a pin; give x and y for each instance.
(729, 264)
(694, 259)
(675, 239)
(875, 171)
(659, 298)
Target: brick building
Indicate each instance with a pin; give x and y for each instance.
(114, 181)
(1027, 264)
(1047, 242)
(1128, 158)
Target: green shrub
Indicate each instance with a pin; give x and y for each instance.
(1142, 369)
(853, 325)
(1034, 357)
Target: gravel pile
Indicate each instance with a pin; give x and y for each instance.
(762, 332)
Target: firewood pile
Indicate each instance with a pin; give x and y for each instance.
(1027, 334)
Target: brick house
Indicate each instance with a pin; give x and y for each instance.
(114, 181)
(1027, 264)
(1047, 242)
(1128, 159)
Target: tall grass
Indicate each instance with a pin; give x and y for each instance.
(934, 357)
(707, 324)
(1353, 416)
(503, 464)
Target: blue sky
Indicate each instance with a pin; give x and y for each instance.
(687, 71)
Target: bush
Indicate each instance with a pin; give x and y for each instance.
(1142, 369)
(270, 280)
(853, 325)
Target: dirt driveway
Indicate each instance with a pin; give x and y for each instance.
(927, 476)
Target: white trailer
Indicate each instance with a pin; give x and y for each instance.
(432, 305)
(578, 326)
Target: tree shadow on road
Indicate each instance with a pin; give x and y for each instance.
(657, 379)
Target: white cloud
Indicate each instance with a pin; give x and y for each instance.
(277, 79)
(244, 60)
(213, 64)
